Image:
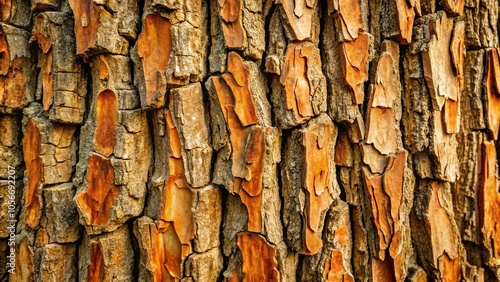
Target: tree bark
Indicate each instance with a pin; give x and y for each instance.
(246, 140)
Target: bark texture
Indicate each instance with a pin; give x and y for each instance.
(250, 140)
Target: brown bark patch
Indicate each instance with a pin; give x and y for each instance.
(259, 262)
(101, 193)
(153, 47)
(106, 110)
(454, 7)
(34, 170)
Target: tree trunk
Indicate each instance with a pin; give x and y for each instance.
(249, 140)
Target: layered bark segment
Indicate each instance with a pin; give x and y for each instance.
(232, 23)
(258, 258)
(15, 12)
(246, 135)
(308, 183)
(49, 152)
(347, 17)
(106, 257)
(104, 26)
(354, 62)
(17, 76)
(113, 170)
(62, 74)
(435, 227)
(299, 16)
(153, 48)
(301, 92)
(398, 23)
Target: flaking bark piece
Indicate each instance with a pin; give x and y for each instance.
(15, 12)
(381, 130)
(492, 87)
(99, 27)
(354, 58)
(153, 48)
(231, 12)
(178, 197)
(302, 94)
(400, 18)
(259, 258)
(439, 70)
(299, 15)
(348, 16)
(63, 78)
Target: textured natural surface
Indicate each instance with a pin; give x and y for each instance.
(249, 140)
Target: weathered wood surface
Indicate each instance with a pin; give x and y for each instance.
(245, 140)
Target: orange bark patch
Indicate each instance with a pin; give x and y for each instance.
(334, 269)
(47, 80)
(153, 47)
(383, 271)
(439, 226)
(451, 116)
(354, 63)
(106, 110)
(247, 139)
(39, 35)
(449, 268)
(4, 53)
(492, 83)
(178, 197)
(5, 9)
(34, 170)
(439, 69)
(299, 15)
(232, 23)
(406, 16)
(86, 15)
(454, 7)
(96, 268)
(237, 78)
(259, 263)
(295, 81)
(381, 130)
(101, 193)
(386, 89)
(489, 199)
(167, 255)
(315, 149)
(386, 199)
(350, 17)
(457, 47)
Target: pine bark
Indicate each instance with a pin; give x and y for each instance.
(247, 140)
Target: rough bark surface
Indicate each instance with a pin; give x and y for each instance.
(249, 140)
